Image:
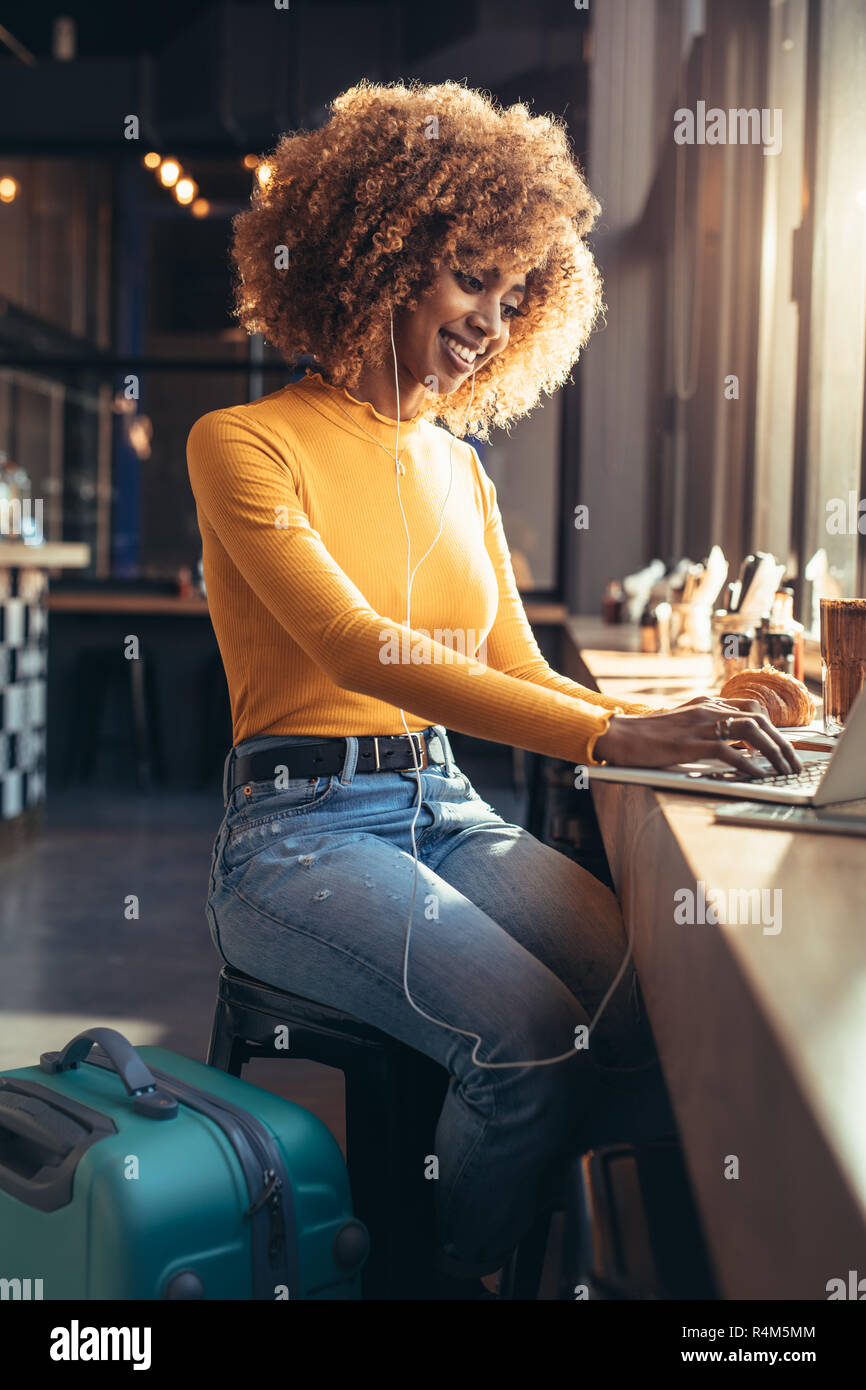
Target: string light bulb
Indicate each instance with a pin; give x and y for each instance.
(169, 173)
(9, 189)
(185, 190)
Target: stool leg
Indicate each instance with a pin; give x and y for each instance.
(392, 1105)
(90, 730)
(373, 1161)
(424, 1084)
(139, 723)
(521, 1277)
(224, 1050)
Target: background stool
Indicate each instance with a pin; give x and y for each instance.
(520, 1278)
(100, 675)
(393, 1098)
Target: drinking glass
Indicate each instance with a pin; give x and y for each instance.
(843, 658)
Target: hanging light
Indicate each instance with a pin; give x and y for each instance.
(250, 161)
(9, 189)
(169, 173)
(152, 160)
(264, 174)
(185, 189)
(200, 207)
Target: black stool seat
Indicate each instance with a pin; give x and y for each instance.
(250, 997)
(393, 1098)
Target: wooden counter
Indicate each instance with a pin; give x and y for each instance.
(540, 614)
(762, 1033)
(51, 555)
(169, 605)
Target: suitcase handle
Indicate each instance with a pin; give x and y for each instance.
(39, 1123)
(40, 1149)
(139, 1081)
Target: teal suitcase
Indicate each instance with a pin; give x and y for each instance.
(136, 1173)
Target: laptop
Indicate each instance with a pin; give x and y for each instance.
(836, 775)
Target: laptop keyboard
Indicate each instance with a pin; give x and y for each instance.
(810, 776)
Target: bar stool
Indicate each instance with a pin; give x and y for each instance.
(393, 1098)
(103, 681)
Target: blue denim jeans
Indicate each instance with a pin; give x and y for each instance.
(310, 890)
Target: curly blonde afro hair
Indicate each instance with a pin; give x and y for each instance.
(401, 181)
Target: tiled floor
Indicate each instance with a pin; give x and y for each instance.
(70, 956)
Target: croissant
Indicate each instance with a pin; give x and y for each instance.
(786, 700)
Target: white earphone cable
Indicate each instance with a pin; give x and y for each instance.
(410, 579)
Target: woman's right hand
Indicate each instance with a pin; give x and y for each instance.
(688, 733)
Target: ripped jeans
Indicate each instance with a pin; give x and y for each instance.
(310, 890)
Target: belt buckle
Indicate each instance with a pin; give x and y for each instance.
(421, 750)
(400, 769)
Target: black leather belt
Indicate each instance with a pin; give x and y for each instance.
(324, 757)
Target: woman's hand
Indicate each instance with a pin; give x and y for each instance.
(687, 733)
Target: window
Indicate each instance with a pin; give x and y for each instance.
(837, 340)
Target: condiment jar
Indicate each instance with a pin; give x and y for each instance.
(779, 651)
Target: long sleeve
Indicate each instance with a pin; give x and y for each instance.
(511, 644)
(247, 491)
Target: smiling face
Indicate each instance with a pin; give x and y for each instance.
(460, 326)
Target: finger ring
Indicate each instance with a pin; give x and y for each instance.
(723, 728)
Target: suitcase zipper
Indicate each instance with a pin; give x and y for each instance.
(271, 1195)
(276, 1190)
(274, 1244)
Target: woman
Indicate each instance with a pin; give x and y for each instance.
(427, 248)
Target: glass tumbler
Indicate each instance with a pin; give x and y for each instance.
(843, 658)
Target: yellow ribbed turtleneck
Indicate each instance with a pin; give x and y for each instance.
(305, 564)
